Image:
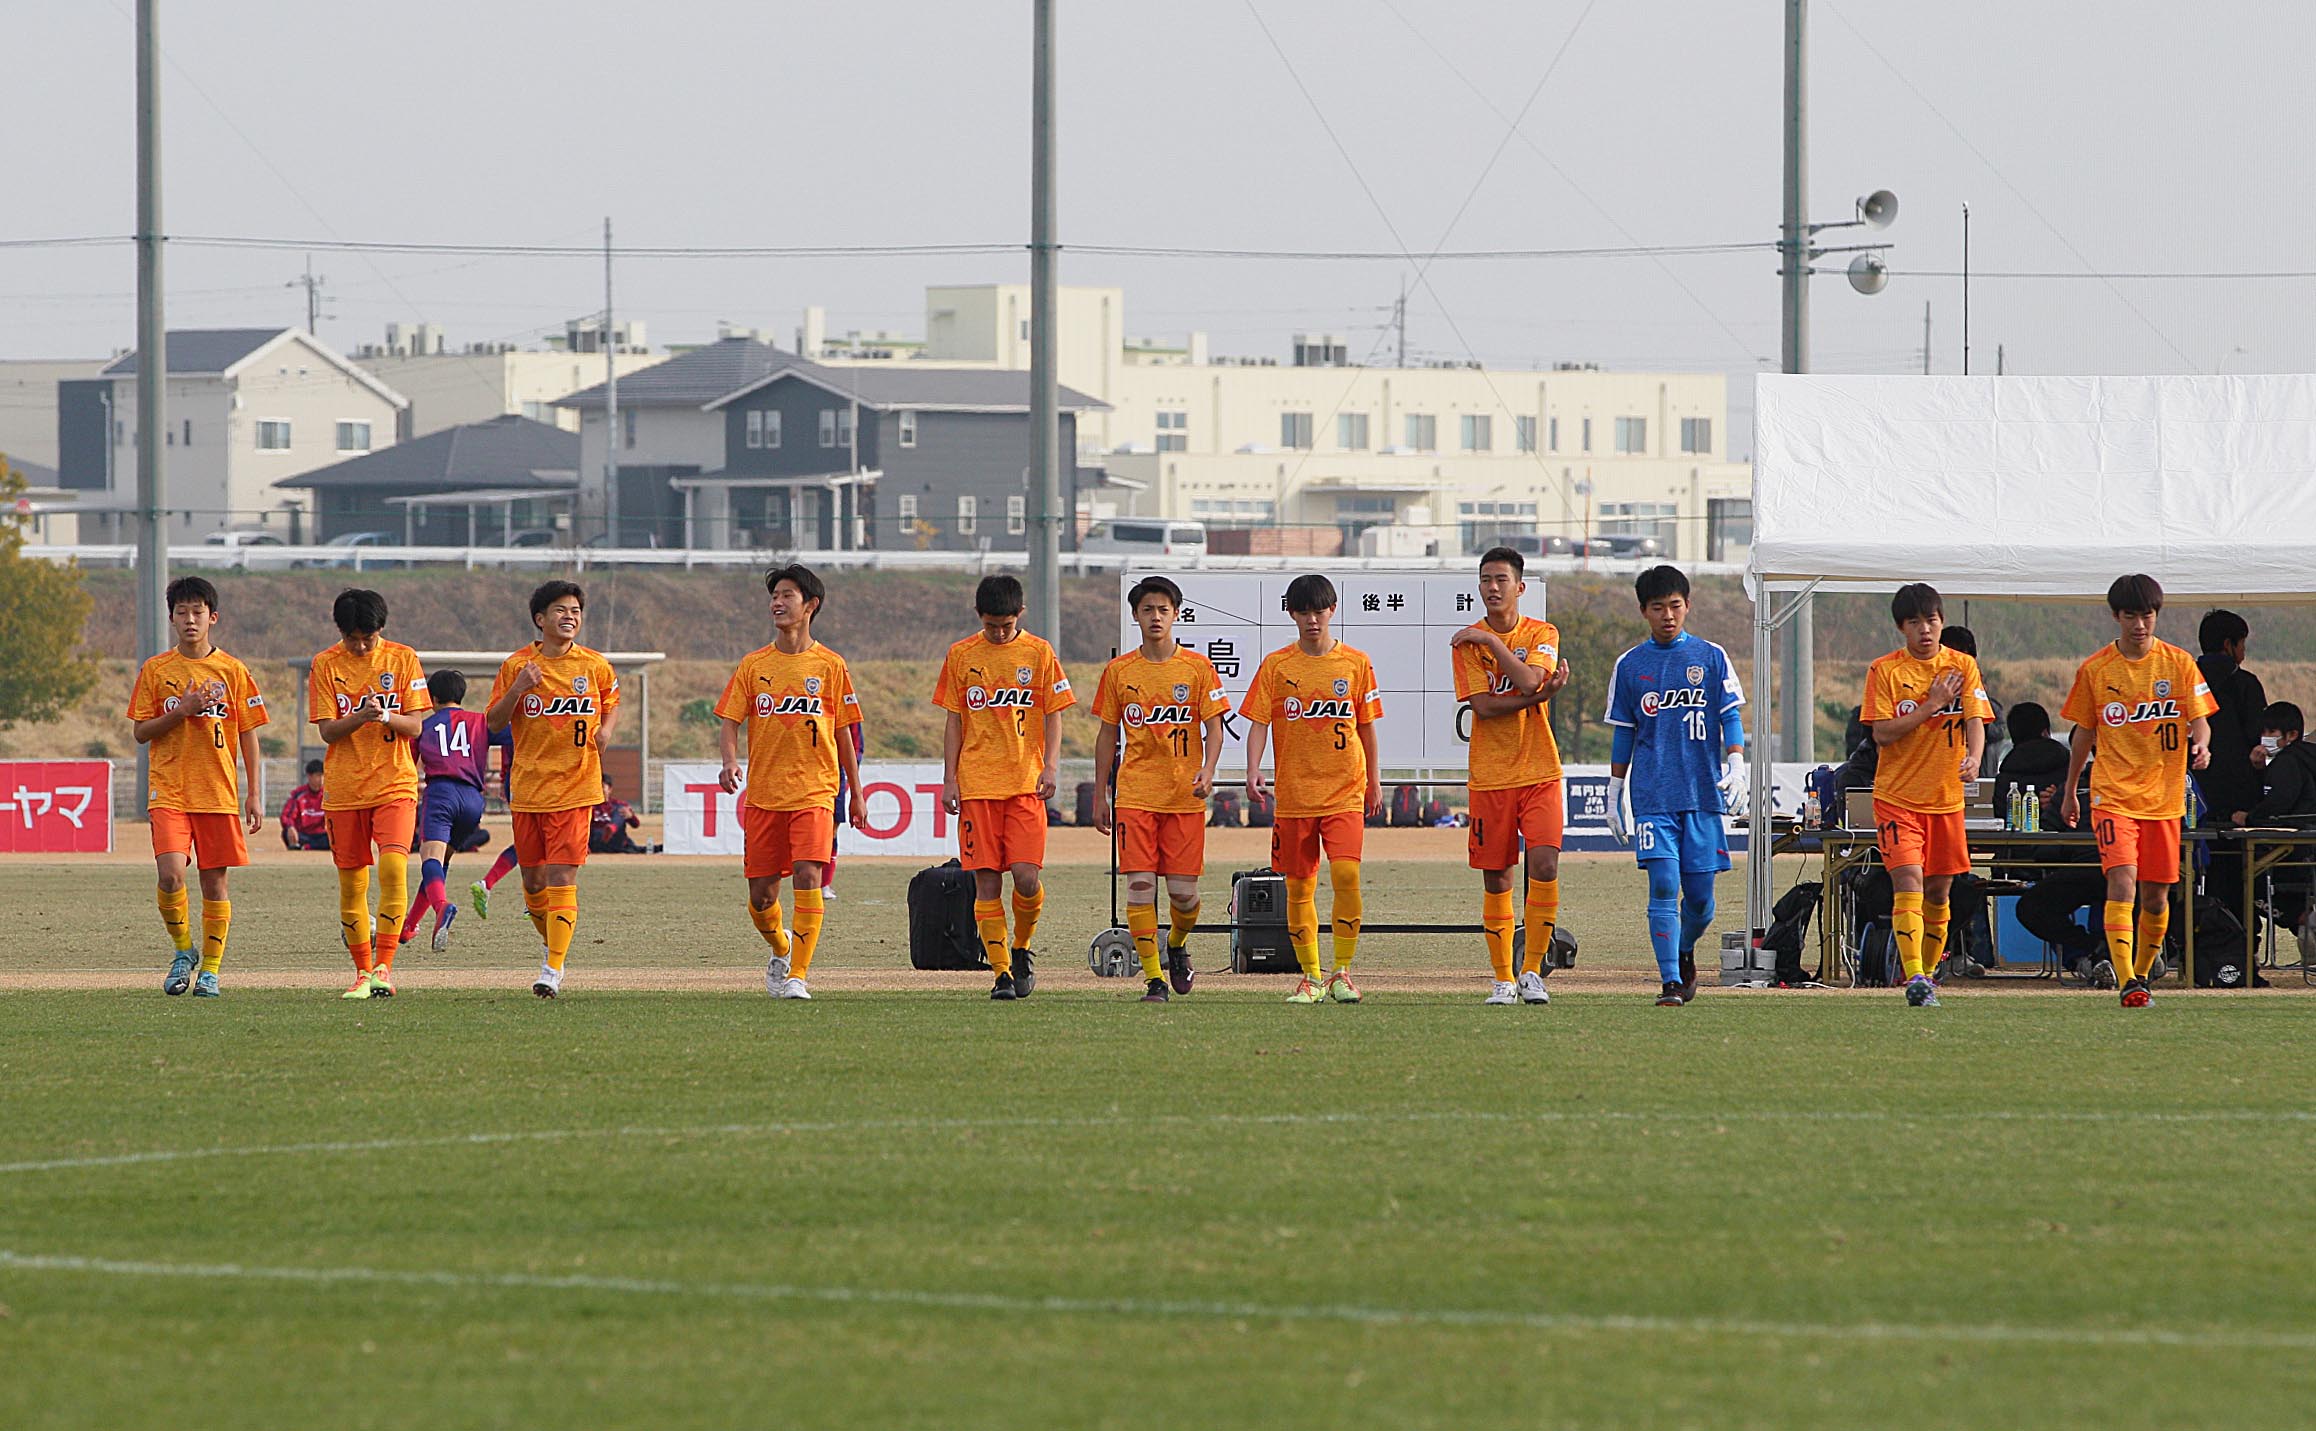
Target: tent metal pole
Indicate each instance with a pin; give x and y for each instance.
(1758, 885)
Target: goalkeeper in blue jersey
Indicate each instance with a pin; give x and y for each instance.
(1677, 764)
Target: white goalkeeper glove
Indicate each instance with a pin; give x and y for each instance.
(1735, 782)
(1619, 815)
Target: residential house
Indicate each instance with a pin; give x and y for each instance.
(476, 485)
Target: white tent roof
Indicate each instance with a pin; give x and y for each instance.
(2036, 486)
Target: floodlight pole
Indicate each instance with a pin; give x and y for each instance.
(1045, 500)
(152, 365)
(1796, 691)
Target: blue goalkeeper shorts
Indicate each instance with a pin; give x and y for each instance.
(1693, 838)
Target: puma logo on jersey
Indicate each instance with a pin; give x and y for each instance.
(558, 705)
(2117, 713)
(1137, 716)
(768, 704)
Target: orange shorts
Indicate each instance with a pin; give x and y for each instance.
(213, 841)
(352, 832)
(1157, 842)
(551, 837)
(777, 839)
(1938, 843)
(1295, 841)
(999, 834)
(2150, 845)
(1501, 819)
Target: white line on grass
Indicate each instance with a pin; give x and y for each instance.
(1351, 1313)
(1192, 1120)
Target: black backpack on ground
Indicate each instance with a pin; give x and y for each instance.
(941, 931)
(2222, 954)
(1789, 931)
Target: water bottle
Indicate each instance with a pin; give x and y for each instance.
(2034, 810)
(1812, 810)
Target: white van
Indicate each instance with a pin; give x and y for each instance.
(1136, 537)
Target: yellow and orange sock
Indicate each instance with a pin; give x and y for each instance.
(1180, 920)
(1349, 910)
(1303, 924)
(810, 912)
(767, 922)
(2153, 924)
(1935, 915)
(2115, 923)
(1906, 929)
(354, 915)
(216, 924)
(1142, 923)
(1496, 929)
(176, 907)
(1026, 909)
(989, 923)
(535, 905)
(393, 899)
(1543, 917)
(562, 906)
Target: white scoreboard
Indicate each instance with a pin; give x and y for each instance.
(1401, 619)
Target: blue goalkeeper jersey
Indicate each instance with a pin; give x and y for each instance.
(1677, 706)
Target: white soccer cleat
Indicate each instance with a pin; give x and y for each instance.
(549, 983)
(793, 988)
(776, 977)
(1532, 990)
(1503, 993)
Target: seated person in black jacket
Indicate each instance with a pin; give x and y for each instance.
(1856, 772)
(2287, 766)
(2047, 908)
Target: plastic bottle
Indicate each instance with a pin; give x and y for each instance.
(1812, 810)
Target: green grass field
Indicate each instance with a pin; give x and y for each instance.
(464, 1207)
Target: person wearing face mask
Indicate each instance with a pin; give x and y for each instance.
(2288, 764)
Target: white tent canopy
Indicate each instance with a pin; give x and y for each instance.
(2033, 487)
(2036, 486)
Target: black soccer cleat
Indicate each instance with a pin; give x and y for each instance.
(1178, 970)
(1005, 989)
(1688, 978)
(1024, 973)
(1155, 993)
(1671, 997)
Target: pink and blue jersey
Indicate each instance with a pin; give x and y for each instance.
(454, 744)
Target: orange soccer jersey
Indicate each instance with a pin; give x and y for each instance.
(791, 707)
(1161, 706)
(1314, 706)
(1002, 694)
(372, 766)
(1923, 772)
(192, 766)
(2140, 712)
(1509, 752)
(557, 727)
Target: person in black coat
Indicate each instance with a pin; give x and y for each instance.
(2231, 783)
(2038, 764)
(2288, 764)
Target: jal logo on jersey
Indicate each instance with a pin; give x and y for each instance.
(346, 703)
(768, 704)
(1686, 698)
(978, 698)
(2119, 713)
(1322, 709)
(1136, 717)
(215, 710)
(534, 706)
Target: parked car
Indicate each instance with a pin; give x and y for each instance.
(1533, 544)
(1627, 546)
(536, 537)
(343, 546)
(1130, 538)
(237, 547)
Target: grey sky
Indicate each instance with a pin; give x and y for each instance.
(2154, 136)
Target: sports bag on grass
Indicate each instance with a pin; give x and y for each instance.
(941, 932)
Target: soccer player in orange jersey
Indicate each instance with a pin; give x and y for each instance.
(1508, 667)
(197, 707)
(559, 698)
(1321, 697)
(2143, 707)
(1928, 709)
(367, 695)
(1004, 690)
(1168, 701)
(790, 702)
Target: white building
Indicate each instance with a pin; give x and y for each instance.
(449, 388)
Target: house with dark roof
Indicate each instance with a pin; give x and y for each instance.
(246, 407)
(478, 484)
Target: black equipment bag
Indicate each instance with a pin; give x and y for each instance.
(941, 932)
(2221, 952)
(1789, 931)
(1259, 898)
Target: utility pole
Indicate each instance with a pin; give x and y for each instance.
(152, 365)
(1998, 360)
(610, 404)
(1925, 338)
(1044, 383)
(1966, 290)
(1796, 698)
(1399, 321)
(313, 287)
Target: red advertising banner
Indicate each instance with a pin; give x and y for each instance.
(56, 806)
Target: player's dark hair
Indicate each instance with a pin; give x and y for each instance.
(1154, 586)
(2134, 593)
(998, 595)
(1915, 601)
(806, 581)
(1310, 592)
(2221, 627)
(448, 687)
(2027, 721)
(1508, 557)
(2283, 718)
(1659, 582)
(313, 767)
(192, 588)
(1960, 638)
(359, 610)
(553, 592)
